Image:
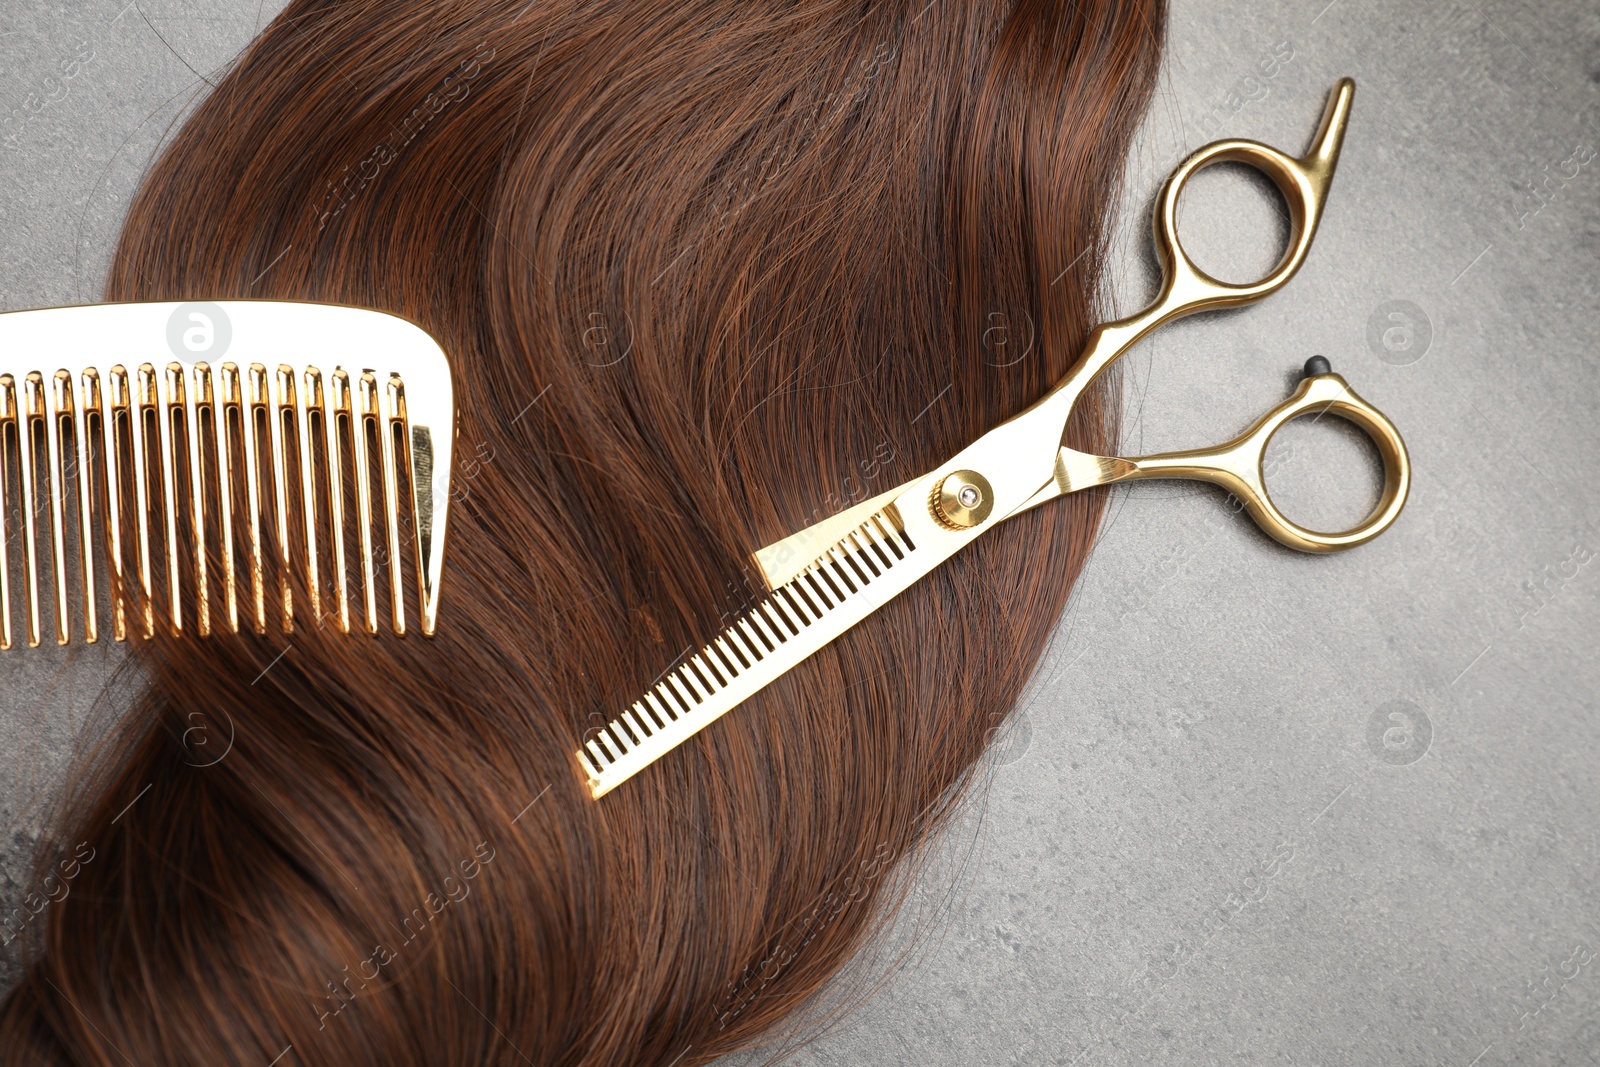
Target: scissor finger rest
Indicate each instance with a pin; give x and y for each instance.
(1237, 465)
(1303, 183)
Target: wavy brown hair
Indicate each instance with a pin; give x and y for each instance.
(707, 271)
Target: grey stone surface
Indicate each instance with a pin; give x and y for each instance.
(1259, 807)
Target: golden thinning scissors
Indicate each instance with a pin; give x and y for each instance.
(831, 575)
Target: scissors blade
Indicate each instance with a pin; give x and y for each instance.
(1015, 456)
(874, 561)
(784, 559)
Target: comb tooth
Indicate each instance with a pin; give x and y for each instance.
(677, 693)
(740, 643)
(856, 566)
(798, 618)
(223, 384)
(391, 500)
(61, 410)
(655, 713)
(640, 721)
(312, 396)
(168, 408)
(276, 412)
(732, 652)
(255, 385)
(338, 402)
(8, 414)
(32, 406)
(80, 435)
(720, 673)
(886, 536)
(666, 710)
(817, 581)
(827, 569)
(798, 595)
(683, 679)
(842, 567)
(80, 439)
(645, 713)
(760, 624)
(418, 452)
(596, 756)
(730, 663)
(112, 401)
(623, 728)
(862, 555)
(615, 737)
(752, 640)
(634, 723)
(705, 674)
(692, 680)
(668, 696)
(141, 398)
(427, 478)
(358, 424)
(881, 557)
(772, 611)
(196, 394)
(762, 644)
(795, 604)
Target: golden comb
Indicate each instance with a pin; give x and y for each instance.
(110, 412)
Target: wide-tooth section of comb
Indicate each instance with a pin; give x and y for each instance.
(840, 588)
(139, 430)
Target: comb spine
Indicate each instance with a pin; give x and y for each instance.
(60, 410)
(80, 435)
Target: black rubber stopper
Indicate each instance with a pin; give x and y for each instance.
(1318, 365)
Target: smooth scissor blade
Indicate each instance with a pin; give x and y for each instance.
(783, 559)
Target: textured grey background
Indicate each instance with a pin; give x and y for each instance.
(1260, 807)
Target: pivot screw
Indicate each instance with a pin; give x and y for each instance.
(962, 500)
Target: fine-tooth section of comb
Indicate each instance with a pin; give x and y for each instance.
(142, 431)
(839, 589)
